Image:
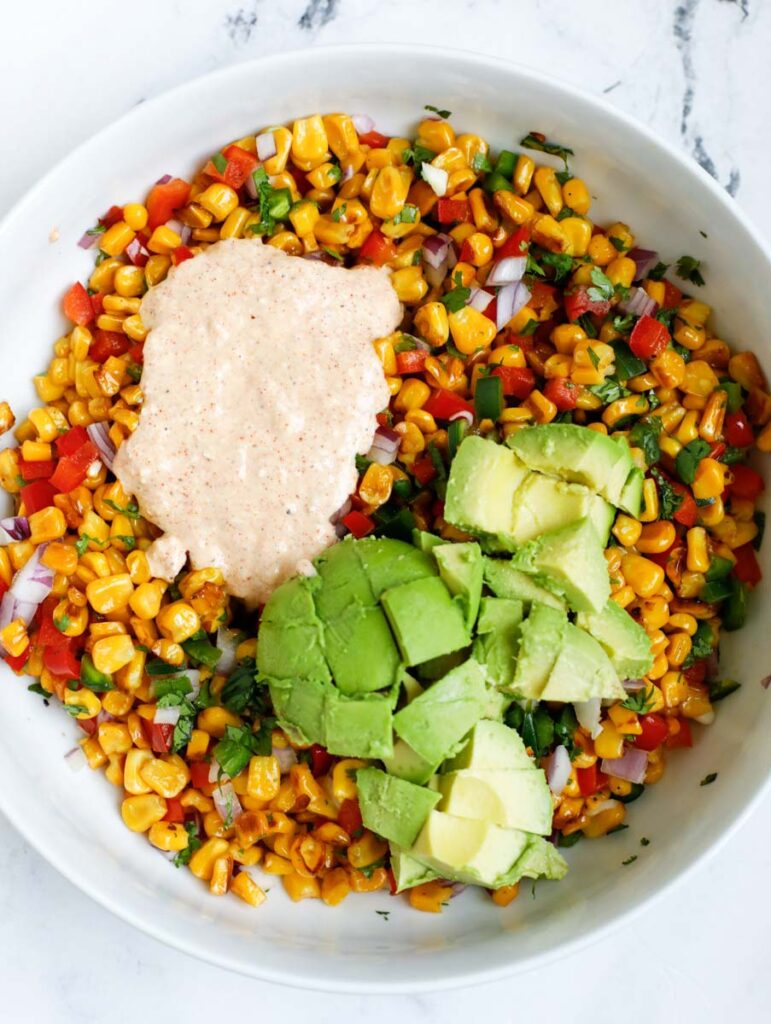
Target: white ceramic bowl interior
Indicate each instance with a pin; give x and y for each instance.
(73, 820)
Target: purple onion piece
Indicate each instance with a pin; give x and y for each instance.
(14, 528)
(645, 259)
(286, 757)
(480, 299)
(632, 766)
(363, 123)
(266, 145)
(508, 270)
(511, 298)
(435, 250)
(99, 434)
(164, 180)
(89, 239)
(632, 685)
(638, 303)
(558, 769)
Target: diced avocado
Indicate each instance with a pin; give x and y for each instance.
(506, 581)
(425, 541)
(389, 563)
(460, 567)
(299, 705)
(491, 746)
(630, 499)
(498, 613)
(539, 859)
(543, 504)
(342, 582)
(290, 634)
(408, 872)
(412, 688)
(497, 645)
(569, 561)
(582, 670)
(391, 807)
(509, 798)
(358, 727)
(465, 850)
(361, 651)
(436, 720)
(292, 602)
(625, 642)
(484, 477)
(404, 763)
(425, 619)
(433, 669)
(576, 454)
(540, 641)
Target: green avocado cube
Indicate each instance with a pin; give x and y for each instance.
(582, 670)
(506, 581)
(405, 763)
(466, 850)
(361, 651)
(427, 622)
(631, 494)
(300, 708)
(484, 477)
(389, 563)
(391, 807)
(342, 582)
(625, 641)
(543, 504)
(358, 726)
(408, 872)
(289, 652)
(491, 746)
(539, 859)
(497, 644)
(540, 642)
(460, 567)
(292, 603)
(509, 798)
(499, 613)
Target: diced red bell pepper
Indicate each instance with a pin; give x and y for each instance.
(40, 470)
(688, 512)
(717, 450)
(69, 443)
(48, 635)
(578, 302)
(160, 737)
(411, 362)
(747, 483)
(175, 812)
(451, 211)
(321, 760)
(437, 508)
(88, 725)
(137, 353)
(17, 661)
(113, 215)
(37, 495)
(240, 164)
(518, 381)
(180, 254)
(358, 524)
(108, 343)
(737, 429)
(199, 773)
(654, 732)
(374, 140)
(590, 779)
(515, 245)
(672, 295)
(443, 404)
(97, 303)
(696, 674)
(61, 661)
(3, 588)
(543, 300)
(72, 470)
(76, 305)
(424, 470)
(377, 249)
(563, 392)
(466, 252)
(747, 570)
(649, 338)
(491, 310)
(349, 817)
(682, 738)
(163, 200)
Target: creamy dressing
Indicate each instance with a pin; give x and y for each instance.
(261, 385)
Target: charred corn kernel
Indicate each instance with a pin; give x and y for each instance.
(576, 195)
(114, 737)
(95, 756)
(674, 688)
(621, 271)
(565, 337)
(116, 238)
(547, 232)
(300, 888)
(335, 887)
(483, 219)
(169, 837)
(430, 897)
(745, 369)
(276, 865)
(625, 720)
(626, 530)
(698, 559)
(133, 782)
(309, 142)
(710, 479)
(178, 621)
(644, 576)
(542, 408)
(215, 720)
(668, 368)
(264, 778)
(47, 524)
(600, 824)
(409, 284)
(341, 134)
(110, 593)
(654, 612)
(413, 394)
(713, 416)
(579, 233)
(545, 180)
(167, 776)
(145, 602)
(601, 250)
(678, 649)
(203, 860)
(85, 700)
(656, 537)
(432, 324)
(471, 330)
(699, 379)
(389, 192)
(244, 886)
(139, 813)
(634, 405)
(514, 207)
(14, 638)
(112, 653)
(219, 199)
(376, 484)
(610, 742)
(344, 778)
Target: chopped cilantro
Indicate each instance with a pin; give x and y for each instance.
(708, 779)
(368, 870)
(406, 344)
(533, 266)
(407, 215)
(669, 500)
(593, 357)
(602, 289)
(418, 155)
(135, 372)
(682, 351)
(565, 728)
(733, 455)
(530, 328)
(339, 213)
(687, 267)
(586, 324)
(641, 702)
(624, 324)
(629, 860)
(98, 230)
(84, 540)
(362, 464)
(457, 298)
(274, 203)
(130, 511)
(128, 540)
(537, 730)
(334, 173)
(333, 252)
(617, 244)
(563, 177)
(202, 652)
(560, 263)
(539, 142)
(570, 840)
(62, 624)
(444, 114)
(564, 213)
(666, 317)
(440, 484)
(645, 435)
(657, 273)
(75, 709)
(688, 459)
(193, 843)
(220, 162)
(701, 644)
(617, 828)
(609, 391)
(242, 694)
(239, 744)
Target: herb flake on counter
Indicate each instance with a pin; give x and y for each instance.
(708, 779)
(629, 860)
(645, 841)
(539, 142)
(687, 267)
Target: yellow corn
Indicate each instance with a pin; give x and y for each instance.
(178, 621)
(709, 481)
(745, 368)
(600, 824)
(110, 593)
(471, 330)
(244, 886)
(375, 487)
(203, 860)
(169, 837)
(215, 720)
(644, 576)
(264, 778)
(431, 323)
(47, 524)
(85, 700)
(601, 250)
(410, 285)
(166, 776)
(674, 688)
(430, 897)
(219, 199)
(626, 530)
(112, 653)
(678, 649)
(14, 638)
(139, 813)
(116, 238)
(576, 196)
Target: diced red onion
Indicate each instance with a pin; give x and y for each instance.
(341, 531)
(508, 270)
(215, 772)
(322, 257)
(226, 802)
(185, 233)
(633, 685)
(558, 769)
(480, 299)
(386, 439)
(175, 225)
(363, 123)
(381, 457)
(588, 715)
(13, 528)
(99, 434)
(167, 716)
(286, 757)
(765, 682)
(645, 259)
(632, 766)
(89, 239)
(227, 642)
(251, 188)
(456, 888)
(266, 145)
(137, 253)
(420, 343)
(33, 582)
(75, 759)
(511, 298)
(436, 177)
(435, 249)
(603, 805)
(12, 609)
(452, 257)
(347, 173)
(164, 180)
(463, 414)
(638, 303)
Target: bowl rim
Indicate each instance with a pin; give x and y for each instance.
(155, 928)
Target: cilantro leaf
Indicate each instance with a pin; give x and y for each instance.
(641, 701)
(609, 391)
(444, 114)
(617, 244)
(701, 644)
(624, 324)
(708, 779)
(130, 511)
(407, 215)
(645, 435)
(603, 289)
(193, 843)
(539, 142)
(688, 459)
(339, 213)
(418, 155)
(657, 273)
(687, 267)
(406, 344)
(561, 264)
(457, 298)
(669, 500)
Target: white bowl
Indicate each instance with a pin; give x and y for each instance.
(73, 820)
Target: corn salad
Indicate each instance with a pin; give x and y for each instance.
(160, 677)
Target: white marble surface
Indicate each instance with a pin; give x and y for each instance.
(698, 73)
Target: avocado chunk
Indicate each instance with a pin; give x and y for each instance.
(425, 541)
(361, 651)
(509, 798)
(631, 494)
(425, 619)
(299, 705)
(577, 454)
(582, 670)
(467, 850)
(408, 872)
(460, 568)
(342, 582)
(404, 763)
(439, 718)
(497, 645)
(491, 746)
(570, 562)
(484, 477)
(506, 581)
(625, 642)
(543, 504)
(358, 726)
(499, 613)
(539, 859)
(391, 807)
(290, 634)
(541, 635)
(433, 669)
(390, 563)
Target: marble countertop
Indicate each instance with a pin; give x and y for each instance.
(697, 72)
